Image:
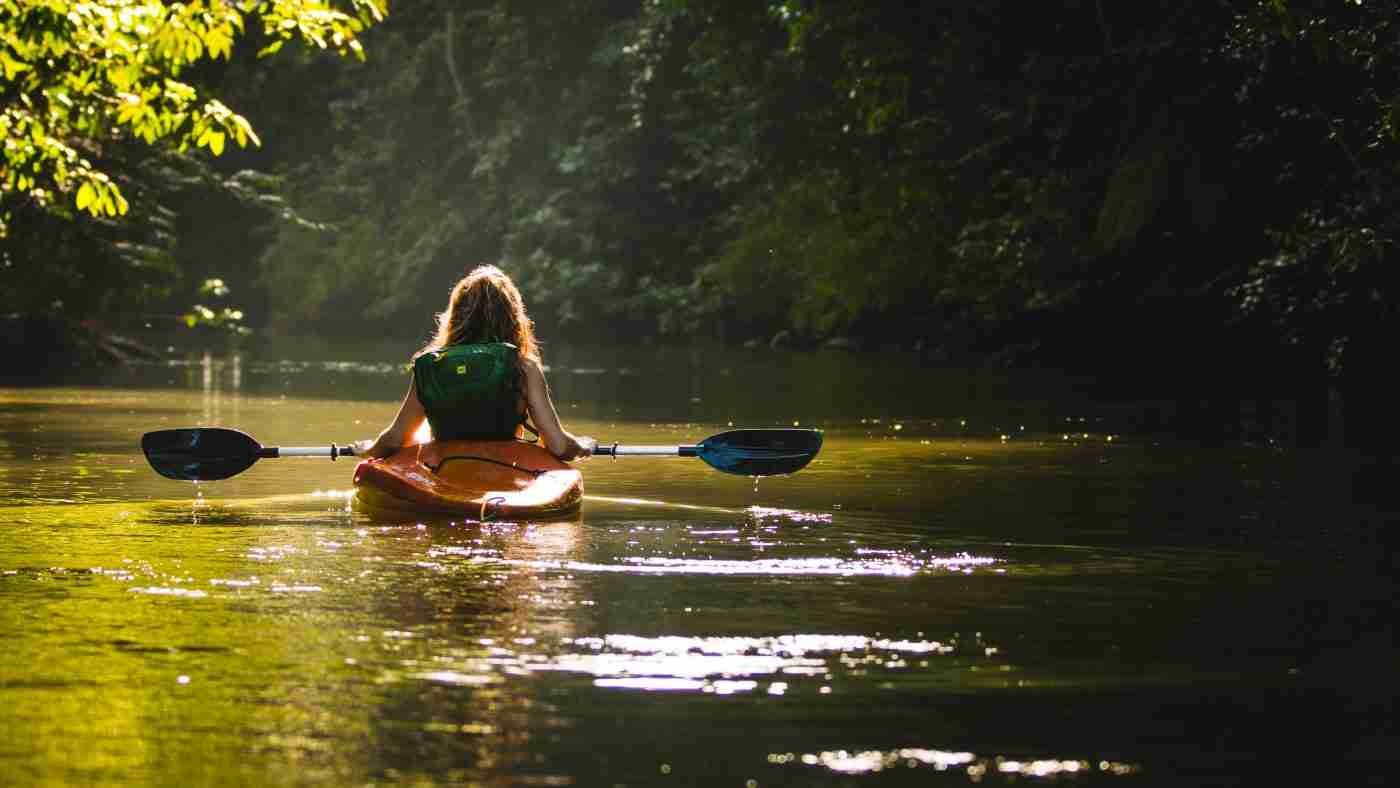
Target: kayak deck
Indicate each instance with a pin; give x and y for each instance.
(485, 480)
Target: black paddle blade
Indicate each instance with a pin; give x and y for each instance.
(199, 454)
(760, 452)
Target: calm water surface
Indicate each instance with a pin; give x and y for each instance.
(981, 580)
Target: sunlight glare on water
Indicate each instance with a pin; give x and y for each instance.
(977, 768)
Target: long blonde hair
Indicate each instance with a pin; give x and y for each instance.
(485, 306)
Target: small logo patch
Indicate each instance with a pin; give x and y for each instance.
(461, 369)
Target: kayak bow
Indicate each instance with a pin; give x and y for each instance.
(486, 480)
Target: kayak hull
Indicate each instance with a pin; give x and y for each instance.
(480, 480)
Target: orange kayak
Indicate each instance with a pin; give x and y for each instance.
(481, 480)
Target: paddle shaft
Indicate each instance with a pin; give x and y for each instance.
(332, 451)
(617, 450)
(614, 450)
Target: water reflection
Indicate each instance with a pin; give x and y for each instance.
(451, 697)
(220, 379)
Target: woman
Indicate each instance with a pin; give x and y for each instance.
(480, 377)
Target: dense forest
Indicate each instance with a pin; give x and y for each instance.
(1192, 190)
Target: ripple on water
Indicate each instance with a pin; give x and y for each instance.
(892, 564)
(187, 593)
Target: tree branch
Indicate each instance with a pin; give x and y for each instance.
(462, 104)
(1103, 26)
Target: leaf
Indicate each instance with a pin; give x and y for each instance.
(86, 194)
(272, 49)
(216, 142)
(12, 66)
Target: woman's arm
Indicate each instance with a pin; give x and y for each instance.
(559, 441)
(399, 433)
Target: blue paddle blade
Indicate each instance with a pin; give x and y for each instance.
(200, 453)
(760, 452)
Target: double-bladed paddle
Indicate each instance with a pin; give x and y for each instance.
(211, 453)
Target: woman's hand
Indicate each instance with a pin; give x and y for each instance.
(373, 448)
(586, 445)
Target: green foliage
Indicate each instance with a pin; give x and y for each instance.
(496, 135)
(82, 74)
(103, 109)
(974, 170)
(223, 318)
(1176, 183)
(1324, 282)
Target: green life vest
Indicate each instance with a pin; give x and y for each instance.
(470, 392)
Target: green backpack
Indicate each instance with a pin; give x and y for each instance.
(470, 392)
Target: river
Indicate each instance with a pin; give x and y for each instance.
(984, 578)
